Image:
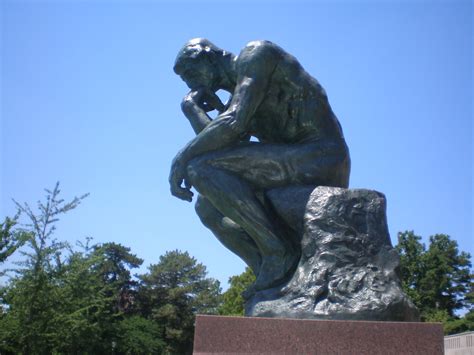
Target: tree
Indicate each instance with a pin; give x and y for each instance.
(459, 325)
(447, 275)
(45, 250)
(88, 324)
(32, 297)
(69, 301)
(437, 279)
(412, 268)
(172, 292)
(10, 239)
(82, 309)
(98, 291)
(232, 299)
(113, 265)
(139, 335)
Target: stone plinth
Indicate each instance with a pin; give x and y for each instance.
(221, 335)
(348, 269)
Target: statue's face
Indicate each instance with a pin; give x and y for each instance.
(199, 73)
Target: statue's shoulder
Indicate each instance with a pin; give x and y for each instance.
(261, 46)
(260, 51)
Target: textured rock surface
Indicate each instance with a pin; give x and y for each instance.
(348, 267)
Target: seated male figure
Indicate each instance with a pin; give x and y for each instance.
(300, 142)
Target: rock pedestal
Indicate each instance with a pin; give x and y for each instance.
(348, 268)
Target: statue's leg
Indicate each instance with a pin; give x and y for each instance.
(230, 177)
(235, 199)
(229, 233)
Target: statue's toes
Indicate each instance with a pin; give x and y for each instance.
(275, 270)
(249, 292)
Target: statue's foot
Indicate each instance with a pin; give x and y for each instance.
(249, 292)
(274, 270)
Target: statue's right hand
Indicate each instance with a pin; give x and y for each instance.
(212, 101)
(204, 98)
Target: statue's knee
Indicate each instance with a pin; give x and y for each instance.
(206, 211)
(200, 206)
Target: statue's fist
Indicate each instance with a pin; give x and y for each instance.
(176, 179)
(203, 98)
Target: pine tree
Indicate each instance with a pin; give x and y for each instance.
(172, 292)
(438, 279)
(232, 299)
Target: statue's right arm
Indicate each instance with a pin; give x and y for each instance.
(231, 126)
(197, 117)
(197, 103)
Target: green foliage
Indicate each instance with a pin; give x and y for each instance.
(77, 309)
(45, 251)
(411, 252)
(172, 292)
(97, 287)
(437, 279)
(10, 239)
(33, 297)
(447, 275)
(113, 264)
(459, 325)
(86, 315)
(62, 301)
(68, 301)
(233, 302)
(139, 335)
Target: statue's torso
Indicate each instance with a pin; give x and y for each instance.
(295, 107)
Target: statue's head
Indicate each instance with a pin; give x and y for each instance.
(197, 63)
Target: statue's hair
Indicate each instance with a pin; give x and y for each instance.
(194, 50)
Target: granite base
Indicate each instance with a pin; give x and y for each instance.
(249, 335)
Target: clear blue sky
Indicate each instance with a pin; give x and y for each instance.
(89, 98)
